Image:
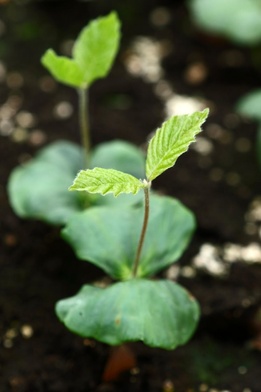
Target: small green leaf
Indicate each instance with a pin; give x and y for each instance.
(93, 54)
(96, 47)
(159, 313)
(172, 140)
(103, 181)
(63, 69)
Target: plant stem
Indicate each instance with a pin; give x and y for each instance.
(143, 230)
(84, 123)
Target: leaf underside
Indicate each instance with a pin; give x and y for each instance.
(103, 181)
(172, 140)
(159, 313)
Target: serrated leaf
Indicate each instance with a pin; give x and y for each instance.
(63, 69)
(172, 140)
(108, 236)
(103, 181)
(159, 313)
(96, 47)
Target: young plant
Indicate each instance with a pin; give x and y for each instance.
(132, 248)
(38, 189)
(92, 57)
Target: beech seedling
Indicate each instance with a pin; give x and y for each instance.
(92, 57)
(131, 247)
(38, 188)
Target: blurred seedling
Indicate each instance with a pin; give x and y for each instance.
(38, 189)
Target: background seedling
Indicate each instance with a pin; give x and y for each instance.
(92, 57)
(38, 189)
(160, 313)
(239, 22)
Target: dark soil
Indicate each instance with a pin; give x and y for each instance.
(37, 268)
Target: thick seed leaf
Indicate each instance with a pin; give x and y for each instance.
(172, 140)
(159, 313)
(108, 237)
(39, 188)
(103, 181)
(119, 155)
(249, 105)
(96, 47)
(63, 69)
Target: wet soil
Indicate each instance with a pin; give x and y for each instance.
(37, 268)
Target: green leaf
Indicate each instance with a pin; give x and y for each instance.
(172, 140)
(103, 181)
(123, 156)
(63, 69)
(108, 237)
(159, 313)
(250, 105)
(96, 47)
(93, 54)
(65, 155)
(38, 189)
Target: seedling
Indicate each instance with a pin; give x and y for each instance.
(92, 57)
(158, 312)
(38, 189)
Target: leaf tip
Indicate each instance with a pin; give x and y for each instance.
(46, 56)
(205, 112)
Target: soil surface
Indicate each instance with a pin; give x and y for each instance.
(219, 180)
